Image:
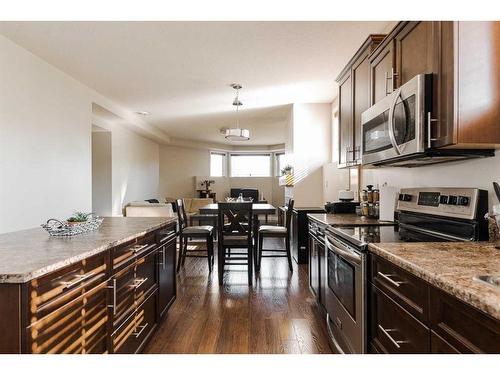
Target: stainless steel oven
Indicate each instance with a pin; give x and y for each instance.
(345, 295)
(396, 125)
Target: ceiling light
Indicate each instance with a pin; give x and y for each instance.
(143, 113)
(236, 133)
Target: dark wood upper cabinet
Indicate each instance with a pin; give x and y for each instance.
(478, 91)
(416, 51)
(354, 99)
(382, 73)
(463, 58)
(345, 119)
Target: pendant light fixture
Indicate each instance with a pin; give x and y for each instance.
(236, 133)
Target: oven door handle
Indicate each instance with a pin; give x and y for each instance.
(392, 133)
(448, 237)
(341, 250)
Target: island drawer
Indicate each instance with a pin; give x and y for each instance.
(126, 254)
(393, 329)
(167, 233)
(77, 327)
(463, 326)
(122, 294)
(131, 336)
(52, 291)
(146, 275)
(406, 289)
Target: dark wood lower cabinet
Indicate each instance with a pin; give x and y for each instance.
(440, 346)
(108, 303)
(393, 329)
(167, 253)
(131, 336)
(398, 322)
(463, 326)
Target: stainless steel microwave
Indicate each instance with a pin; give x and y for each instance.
(397, 130)
(397, 125)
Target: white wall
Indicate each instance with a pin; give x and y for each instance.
(45, 144)
(178, 168)
(311, 149)
(45, 141)
(136, 166)
(102, 181)
(472, 173)
(182, 168)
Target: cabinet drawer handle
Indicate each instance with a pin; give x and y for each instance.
(388, 279)
(138, 282)
(386, 333)
(138, 248)
(113, 306)
(163, 257)
(78, 279)
(137, 334)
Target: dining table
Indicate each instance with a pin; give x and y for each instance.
(257, 209)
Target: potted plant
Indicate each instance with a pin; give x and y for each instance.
(286, 170)
(78, 218)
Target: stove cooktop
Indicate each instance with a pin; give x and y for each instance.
(362, 236)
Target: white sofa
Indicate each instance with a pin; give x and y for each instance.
(146, 209)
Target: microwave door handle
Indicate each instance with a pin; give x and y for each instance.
(392, 135)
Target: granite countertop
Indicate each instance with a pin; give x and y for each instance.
(31, 253)
(345, 220)
(450, 266)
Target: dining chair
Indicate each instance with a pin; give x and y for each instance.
(235, 232)
(188, 232)
(272, 231)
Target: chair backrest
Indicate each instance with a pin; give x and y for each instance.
(235, 219)
(289, 213)
(181, 214)
(247, 193)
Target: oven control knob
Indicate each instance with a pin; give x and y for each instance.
(405, 197)
(452, 199)
(463, 201)
(443, 199)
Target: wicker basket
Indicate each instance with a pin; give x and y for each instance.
(63, 229)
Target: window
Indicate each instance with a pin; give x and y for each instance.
(250, 165)
(280, 163)
(217, 164)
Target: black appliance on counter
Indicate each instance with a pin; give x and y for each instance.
(341, 207)
(300, 243)
(425, 214)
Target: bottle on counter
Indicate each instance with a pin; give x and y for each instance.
(364, 196)
(369, 194)
(365, 209)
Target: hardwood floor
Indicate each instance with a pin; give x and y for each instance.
(276, 315)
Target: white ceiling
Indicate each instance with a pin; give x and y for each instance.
(181, 71)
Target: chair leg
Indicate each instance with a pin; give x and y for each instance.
(221, 252)
(250, 264)
(185, 250)
(210, 251)
(288, 253)
(259, 252)
(179, 261)
(213, 256)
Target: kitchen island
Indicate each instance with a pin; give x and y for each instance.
(427, 297)
(100, 292)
